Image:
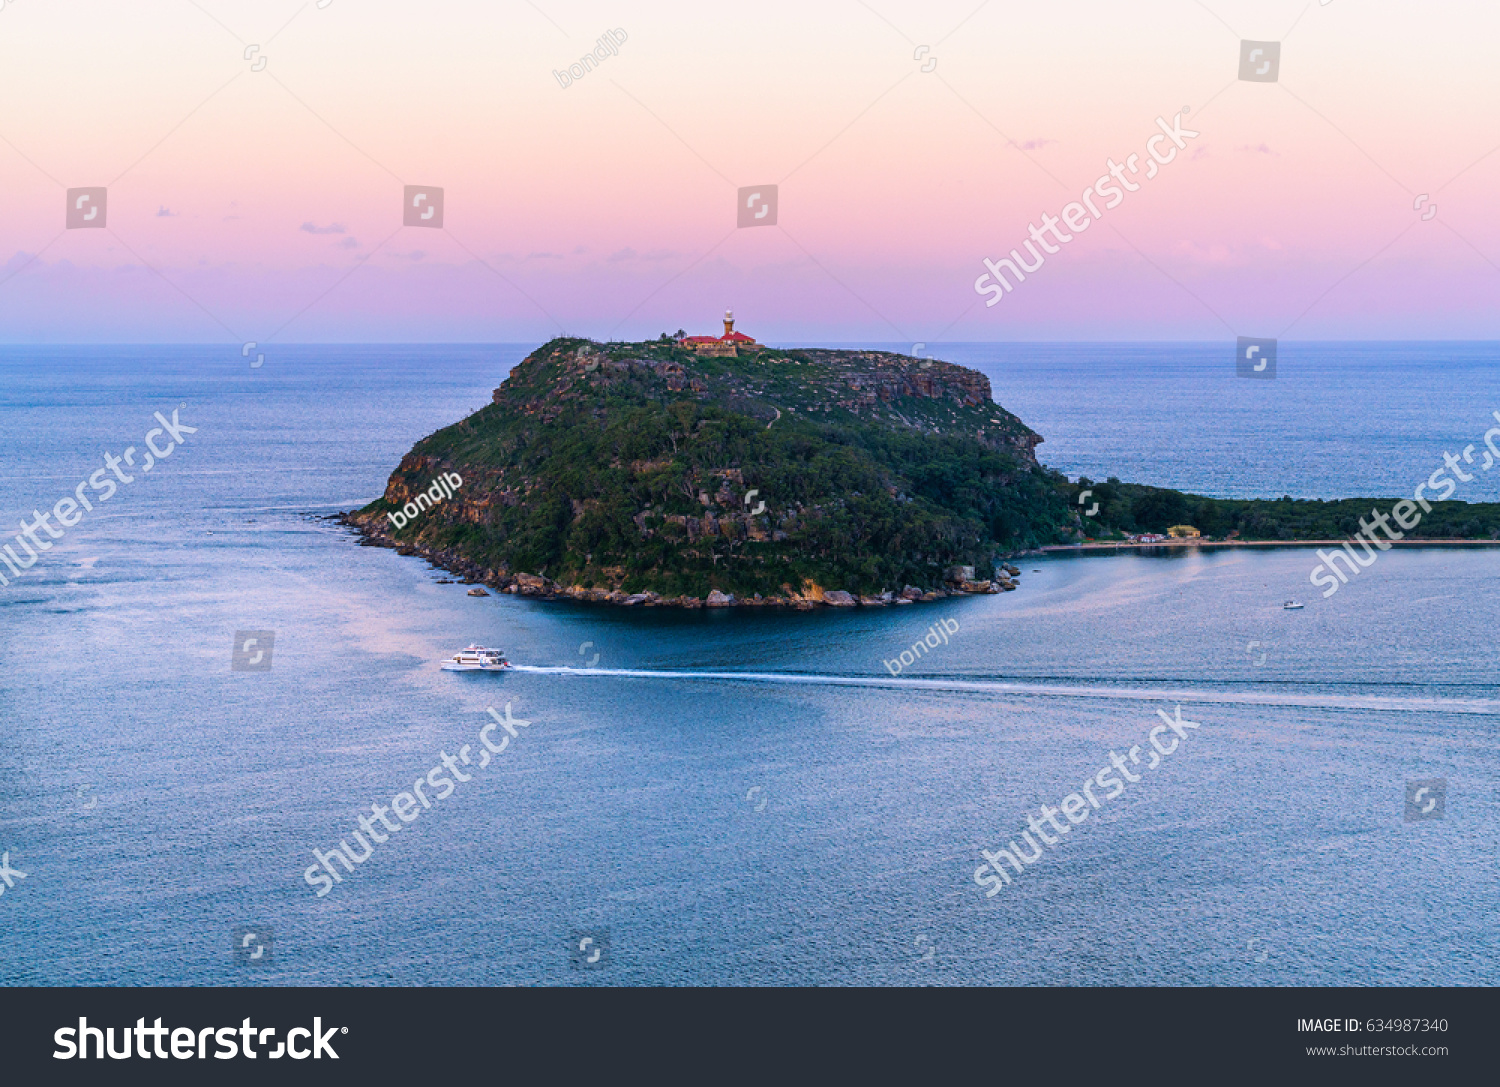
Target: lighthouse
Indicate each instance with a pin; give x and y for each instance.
(730, 344)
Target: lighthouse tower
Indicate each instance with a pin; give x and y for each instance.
(729, 344)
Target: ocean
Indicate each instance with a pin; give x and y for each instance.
(808, 819)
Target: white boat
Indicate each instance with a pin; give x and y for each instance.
(1291, 605)
(476, 658)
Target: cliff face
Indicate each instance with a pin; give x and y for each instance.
(641, 470)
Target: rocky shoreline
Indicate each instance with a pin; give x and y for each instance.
(958, 581)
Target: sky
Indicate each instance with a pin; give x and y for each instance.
(256, 157)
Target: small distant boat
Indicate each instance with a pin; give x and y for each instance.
(1291, 605)
(476, 658)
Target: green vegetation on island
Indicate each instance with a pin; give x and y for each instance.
(1130, 508)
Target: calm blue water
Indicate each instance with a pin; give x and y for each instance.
(737, 831)
(1340, 420)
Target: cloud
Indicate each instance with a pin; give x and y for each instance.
(164, 212)
(349, 243)
(1034, 145)
(1216, 254)
(653, 254)
(544, 256)
(1258, 149)
(331, 228)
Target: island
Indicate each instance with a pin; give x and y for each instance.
(718, 472)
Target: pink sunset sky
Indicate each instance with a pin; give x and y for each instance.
(251, 201)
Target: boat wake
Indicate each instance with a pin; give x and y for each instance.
(1391, 703)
